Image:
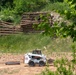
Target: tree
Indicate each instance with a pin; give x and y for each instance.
(6, 3)
(62, 29)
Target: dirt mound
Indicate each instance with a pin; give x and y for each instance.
(50, 61)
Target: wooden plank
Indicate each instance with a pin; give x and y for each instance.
(32, 13)
(10, 33)
(7, 32)
(7, 29)
(7, 26)
(4, 34)
(10, 29)
(4, 22)
(12, 63)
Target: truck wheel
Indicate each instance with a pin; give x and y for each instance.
(41, 63)
(31, 63)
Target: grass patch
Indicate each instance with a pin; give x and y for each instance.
(57, 6)
(23, 43)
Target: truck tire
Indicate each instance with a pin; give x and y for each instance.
(41, 63)
(31, 64)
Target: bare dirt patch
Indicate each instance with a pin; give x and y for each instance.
(24, 69)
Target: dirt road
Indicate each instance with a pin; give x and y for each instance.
(22, 69)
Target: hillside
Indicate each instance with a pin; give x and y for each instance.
(23, 43)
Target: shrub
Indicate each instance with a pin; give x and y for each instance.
(6, 15)
(58, 7)
(64, 67)
(28, 5)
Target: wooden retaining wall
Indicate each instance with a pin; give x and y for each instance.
(29, 19)
(27, 23)
(7, 28)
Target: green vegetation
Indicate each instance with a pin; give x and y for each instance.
(62, 29)
(64, 67)
(57, 6)
(23, 43)
(11, 10)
